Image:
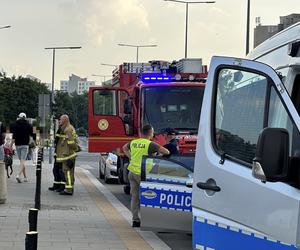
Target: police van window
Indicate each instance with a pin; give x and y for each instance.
(104, 102)
(239, 113)
(278, 116)
(164, 169)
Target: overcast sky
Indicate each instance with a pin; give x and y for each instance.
(99, 25)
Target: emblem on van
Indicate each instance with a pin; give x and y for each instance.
(149, 194)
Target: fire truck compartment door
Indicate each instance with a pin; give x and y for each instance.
(164, 196)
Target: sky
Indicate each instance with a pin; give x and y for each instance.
(99, 25)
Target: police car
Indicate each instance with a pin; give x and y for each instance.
(108, 168)
(166, 193)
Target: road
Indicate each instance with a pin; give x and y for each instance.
(89, 161)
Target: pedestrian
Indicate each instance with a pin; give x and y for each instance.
(22, 131)
(66, 149)
(2, 140)
(171, 142)
(8, 158)
(135, 150)
(59, 177)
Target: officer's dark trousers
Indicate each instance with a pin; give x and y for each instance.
(59, 177)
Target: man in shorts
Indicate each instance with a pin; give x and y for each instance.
(22, 131)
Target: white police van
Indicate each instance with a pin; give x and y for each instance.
(247, 168)
(166, 193)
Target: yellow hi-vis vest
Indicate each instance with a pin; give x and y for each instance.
(138, 148)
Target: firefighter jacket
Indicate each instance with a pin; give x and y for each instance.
(67, 144)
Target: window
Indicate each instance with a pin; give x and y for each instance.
(167, 170)
(239, 112)
(278, 116)
(104, 102)
(177, 106)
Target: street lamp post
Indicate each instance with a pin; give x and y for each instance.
(137, 48)
(187, 17)
(104, 77)
(248, 27)
(111, 65)
(5, 27)
(52, 88)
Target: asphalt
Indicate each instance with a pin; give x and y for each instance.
(93, 218)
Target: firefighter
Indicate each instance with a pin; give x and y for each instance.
(59, 177)
(66, 153)
(135, 150)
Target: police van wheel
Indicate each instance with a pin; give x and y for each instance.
(126, 189)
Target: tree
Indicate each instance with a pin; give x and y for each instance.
(19, 94)
(75, 106)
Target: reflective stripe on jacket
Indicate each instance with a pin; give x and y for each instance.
(138, 148)
(67, 144)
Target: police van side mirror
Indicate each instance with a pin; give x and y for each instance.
(271, 162)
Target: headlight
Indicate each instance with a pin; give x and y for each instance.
(110, 162)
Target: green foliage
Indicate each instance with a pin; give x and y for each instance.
(19, 94)
(75, 106)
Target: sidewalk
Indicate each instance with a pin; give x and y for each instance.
(90, 219)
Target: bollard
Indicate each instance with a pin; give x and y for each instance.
(32, 219)
(31, 240)
(38, 186)
(3, 185)
(38, 180)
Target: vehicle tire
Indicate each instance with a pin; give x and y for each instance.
(120, 170)
(106, 180)
(125, 173)
(101, 176)
(126, 189)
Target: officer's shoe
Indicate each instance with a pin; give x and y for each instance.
(65, 193)
(60, 188)
(136, 224)
(54, 187)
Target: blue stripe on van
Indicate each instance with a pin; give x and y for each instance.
(212, 236)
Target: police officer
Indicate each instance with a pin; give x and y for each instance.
(59, 177)
(135, 150)
(171, 142)
(66, 153)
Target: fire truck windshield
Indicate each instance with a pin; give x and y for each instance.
(178, 107)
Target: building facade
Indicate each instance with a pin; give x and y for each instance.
(263, 32)
(75, 84)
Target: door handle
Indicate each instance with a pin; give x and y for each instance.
(209, 186)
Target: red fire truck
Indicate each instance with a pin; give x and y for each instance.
(163, 94)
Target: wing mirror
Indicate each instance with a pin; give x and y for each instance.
(271, 162)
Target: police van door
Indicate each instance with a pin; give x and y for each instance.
(165, 195)
(232, 209)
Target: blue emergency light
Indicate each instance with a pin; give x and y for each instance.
(155, 78)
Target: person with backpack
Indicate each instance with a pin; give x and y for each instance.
(22, 131)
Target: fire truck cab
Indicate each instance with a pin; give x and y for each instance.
(163, 94)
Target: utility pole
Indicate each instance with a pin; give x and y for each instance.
(52, 125)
